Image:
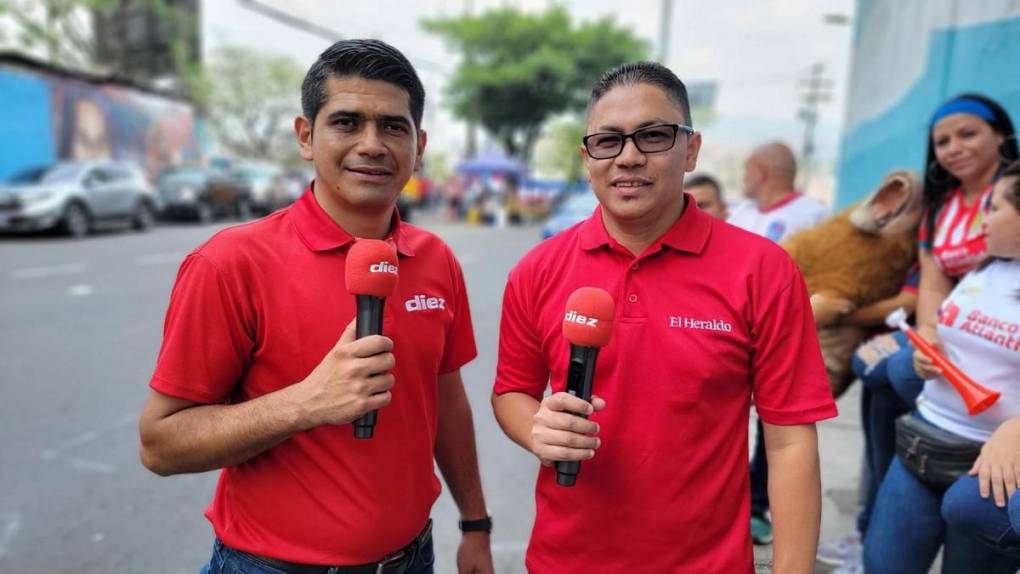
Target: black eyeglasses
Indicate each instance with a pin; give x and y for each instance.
(652, 139)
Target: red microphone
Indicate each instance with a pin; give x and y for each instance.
(371, 276)
(587, 325)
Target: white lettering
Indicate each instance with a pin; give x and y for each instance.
(383, 267)
(575, 317)
(676, 322)
(424, 303)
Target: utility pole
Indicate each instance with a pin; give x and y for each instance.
(665, 29)
(817, 90)
(471, 134)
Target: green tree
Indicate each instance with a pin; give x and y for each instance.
(520, 69)
(60, 27)
(252, 101)
(557, 151)
(64, 30)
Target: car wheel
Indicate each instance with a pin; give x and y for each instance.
(76, 221)
(204, 212)
(144, 216)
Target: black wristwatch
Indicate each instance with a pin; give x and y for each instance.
(480, 525)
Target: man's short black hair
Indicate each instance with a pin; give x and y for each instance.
(369, 59)
(698, 180)
(644, 73)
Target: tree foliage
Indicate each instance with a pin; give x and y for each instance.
(519, 69)
(252, 101)
(60, 27)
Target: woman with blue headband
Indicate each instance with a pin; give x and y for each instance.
(970, 141)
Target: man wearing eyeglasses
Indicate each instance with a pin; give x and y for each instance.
(707, 316)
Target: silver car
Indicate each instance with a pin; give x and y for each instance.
(75, 196)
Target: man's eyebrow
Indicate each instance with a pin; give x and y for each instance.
(644, 124)
(345, 114)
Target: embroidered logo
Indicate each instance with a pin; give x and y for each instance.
(676, 322)
(424, 303)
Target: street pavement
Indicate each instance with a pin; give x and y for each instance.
(80, 327)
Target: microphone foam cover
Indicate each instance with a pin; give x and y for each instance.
(588, 321)
(371, 268)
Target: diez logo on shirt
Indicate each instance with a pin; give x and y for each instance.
(700, 324)
(383, 267)
(575, 317)
(424, 303)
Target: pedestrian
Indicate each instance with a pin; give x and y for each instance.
(951, 488)
(260, 374)
(707, 193)
(774, 209)
(707, 317)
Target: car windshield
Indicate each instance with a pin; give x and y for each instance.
(56, 173)
(581, 204)
(252, 173)
(182, 176)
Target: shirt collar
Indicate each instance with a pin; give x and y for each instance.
(689, 232)
(319, 232)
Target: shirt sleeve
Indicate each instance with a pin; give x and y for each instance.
(208, 335)
(520, 367)
(460, 336)
(789, 380)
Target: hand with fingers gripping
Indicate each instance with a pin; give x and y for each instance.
(557, 434)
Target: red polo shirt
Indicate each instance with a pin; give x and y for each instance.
(709, 316)
(255, 309)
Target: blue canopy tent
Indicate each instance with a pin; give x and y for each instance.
(492, 163)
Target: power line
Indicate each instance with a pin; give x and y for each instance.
(309, 27)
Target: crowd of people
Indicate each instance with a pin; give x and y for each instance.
(263, 368)
(964, 291)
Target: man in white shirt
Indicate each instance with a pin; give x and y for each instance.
(775, 210)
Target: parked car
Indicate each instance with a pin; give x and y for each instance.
(287, 186)
(75, 196)
(256, 180)
(574, 209)
(202, 194)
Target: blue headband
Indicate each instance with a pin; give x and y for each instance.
(965, 106)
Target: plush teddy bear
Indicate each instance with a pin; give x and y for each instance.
(856, 258)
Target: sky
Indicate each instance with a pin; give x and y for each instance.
(756, 50)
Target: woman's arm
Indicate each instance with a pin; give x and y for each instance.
(933, 289)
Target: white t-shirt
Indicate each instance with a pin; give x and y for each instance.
(791, 214)
(979, 326)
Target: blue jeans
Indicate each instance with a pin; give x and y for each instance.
(759, 474)
(226, 560)
(889, 387)
(1014, 513)
(911, 521)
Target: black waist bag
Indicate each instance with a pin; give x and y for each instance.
(935, 456)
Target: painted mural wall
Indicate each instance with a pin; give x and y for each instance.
(908, 57)
(47, 118)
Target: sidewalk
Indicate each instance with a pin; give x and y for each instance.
(840, 444)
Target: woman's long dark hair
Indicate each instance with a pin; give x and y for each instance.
(938, 182)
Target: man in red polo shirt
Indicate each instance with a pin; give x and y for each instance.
(260, 373)
(707, 317)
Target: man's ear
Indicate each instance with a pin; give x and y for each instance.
(693, 147)
(303, 132)
(423, 139)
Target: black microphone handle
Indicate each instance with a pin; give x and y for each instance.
(580, 376)
(370, 322)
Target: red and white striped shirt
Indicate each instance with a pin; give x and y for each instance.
(959, 243)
